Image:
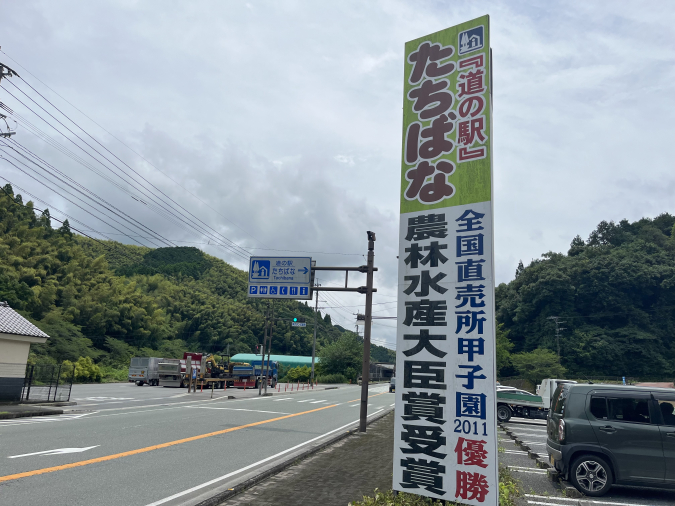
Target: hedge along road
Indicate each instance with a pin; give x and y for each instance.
(146, 456)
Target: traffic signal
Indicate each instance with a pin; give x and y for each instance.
(299, 319)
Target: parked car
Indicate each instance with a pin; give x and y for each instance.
(600, 435)
(392, 384)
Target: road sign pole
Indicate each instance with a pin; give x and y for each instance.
(365, 373)
(262, 350)
(316, 312)
(269, 350)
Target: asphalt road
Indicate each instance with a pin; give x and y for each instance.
(151, 445)
(539, 491)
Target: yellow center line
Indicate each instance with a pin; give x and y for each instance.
(149, 448)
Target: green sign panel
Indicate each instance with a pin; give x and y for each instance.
(447, 120)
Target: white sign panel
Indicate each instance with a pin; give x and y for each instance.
(445, 443)
(280, 277)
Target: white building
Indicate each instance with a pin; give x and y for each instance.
(16, 335)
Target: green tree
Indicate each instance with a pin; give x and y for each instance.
(504, 347)
(344, 356)
(538, 365)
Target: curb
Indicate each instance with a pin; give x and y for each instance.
(25, 414)
(228, 494)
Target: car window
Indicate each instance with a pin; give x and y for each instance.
(629, 409)
(667, 409)
(599, 407)
(559, 396)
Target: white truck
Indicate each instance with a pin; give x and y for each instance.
(515, 402)
(143, 370)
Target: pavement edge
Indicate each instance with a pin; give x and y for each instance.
(241, 487)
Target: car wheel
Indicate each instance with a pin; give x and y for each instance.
(504, 413)
(591, 475)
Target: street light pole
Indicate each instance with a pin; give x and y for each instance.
(316, 312)
(365, 372)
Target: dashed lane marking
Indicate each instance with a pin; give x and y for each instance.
(317, 402)
(239, 409)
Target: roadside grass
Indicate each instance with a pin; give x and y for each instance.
(111, 374)
(509, 490)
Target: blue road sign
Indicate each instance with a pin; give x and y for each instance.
(280, 277)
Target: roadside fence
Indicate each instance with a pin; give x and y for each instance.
(48, 383)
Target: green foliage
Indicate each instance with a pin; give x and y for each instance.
(504, 347)
(86, 371)
(509, 487)
(387, 498)
(344, 356)
(295, 374)
(108, 301)
(616, 294)
(112, 374)
(332, 379)
(537, 365)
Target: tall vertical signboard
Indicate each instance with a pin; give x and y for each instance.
(445, 439)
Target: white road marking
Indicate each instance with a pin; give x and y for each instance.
(357, 404)
(547, 503)
(306, 400)
(58, 451)
(534, 443)
(586, 500)
(250, 466)
(514, 452)
(392, 405)
(41, 419)
(317, 402)
(283, 399)
(240, 409)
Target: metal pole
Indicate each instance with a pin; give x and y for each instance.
(365, 372)
(262, 350)
(316, 313)
(58, 377)
(30, 380)
(269, 350)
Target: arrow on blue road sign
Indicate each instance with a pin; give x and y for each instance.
(304, 270)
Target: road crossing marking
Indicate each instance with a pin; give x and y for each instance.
(115, 456)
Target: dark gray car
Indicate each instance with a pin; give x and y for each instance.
(599, 435)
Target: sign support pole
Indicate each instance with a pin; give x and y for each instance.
(365, 372)
(316, 312)
(269, 350)
(262, 350)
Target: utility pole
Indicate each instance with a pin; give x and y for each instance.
(269, 350)
(365, 372)
(558, 328)
(316, 313)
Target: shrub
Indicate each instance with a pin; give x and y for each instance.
(111, 374)
(297, 374)
(86, 371)
(332, 378)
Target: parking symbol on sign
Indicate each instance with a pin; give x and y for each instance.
(273, 290)
(253, 290)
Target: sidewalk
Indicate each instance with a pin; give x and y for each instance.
(23, 410)
(343, 472)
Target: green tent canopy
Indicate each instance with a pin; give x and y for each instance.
(285, 360)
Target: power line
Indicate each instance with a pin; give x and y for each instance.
(121, 142)
(233, 247)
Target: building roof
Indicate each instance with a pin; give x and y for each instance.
(12, 322)
(290, 360)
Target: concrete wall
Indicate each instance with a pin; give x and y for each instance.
(14, 352)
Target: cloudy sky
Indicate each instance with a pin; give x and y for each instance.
(278, 123)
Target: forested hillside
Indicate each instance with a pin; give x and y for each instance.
(615, 293)
(109, 301)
